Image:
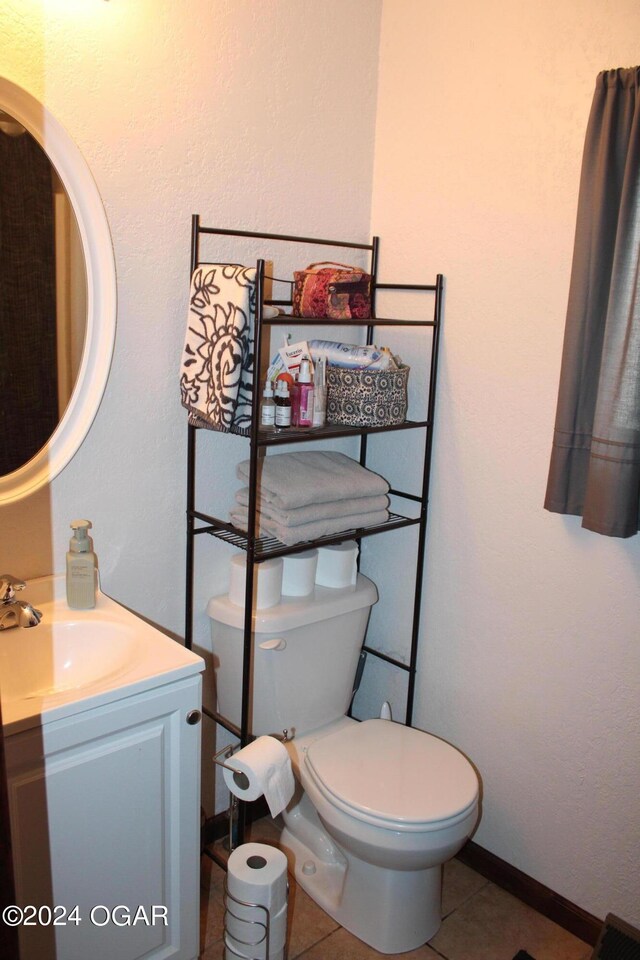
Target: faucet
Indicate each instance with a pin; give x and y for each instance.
(15, 613)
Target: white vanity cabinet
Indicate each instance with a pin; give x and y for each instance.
(105, 818)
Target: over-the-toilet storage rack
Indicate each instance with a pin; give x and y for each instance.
(260, 548)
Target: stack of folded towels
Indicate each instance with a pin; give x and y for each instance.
(303, 496)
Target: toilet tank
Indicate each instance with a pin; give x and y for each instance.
(305, 655)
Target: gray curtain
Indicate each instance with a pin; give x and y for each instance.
(595, 460)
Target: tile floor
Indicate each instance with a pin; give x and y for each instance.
(480, 922)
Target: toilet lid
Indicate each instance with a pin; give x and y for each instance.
(380, 770)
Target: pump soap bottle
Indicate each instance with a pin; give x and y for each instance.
(81, 568)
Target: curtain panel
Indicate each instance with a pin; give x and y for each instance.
(595, 460)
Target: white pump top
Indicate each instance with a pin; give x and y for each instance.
(81, 542)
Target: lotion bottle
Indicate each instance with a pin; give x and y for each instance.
(81, 568)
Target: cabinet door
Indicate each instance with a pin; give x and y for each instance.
(105, 814)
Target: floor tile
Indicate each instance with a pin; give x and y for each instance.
(307, 923)
(493, 925)
(344, 946)
(481, 921)
(266, 830)
(459, 883)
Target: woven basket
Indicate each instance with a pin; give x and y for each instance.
(367, 398)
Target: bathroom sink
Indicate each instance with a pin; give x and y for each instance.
(74, 660)
(63, 655)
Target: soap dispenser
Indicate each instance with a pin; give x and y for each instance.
(81, 568)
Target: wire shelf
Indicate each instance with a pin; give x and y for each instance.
(265, 547)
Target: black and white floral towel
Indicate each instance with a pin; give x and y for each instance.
(216, 375)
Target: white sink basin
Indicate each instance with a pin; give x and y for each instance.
(74, 660)
(63, 655)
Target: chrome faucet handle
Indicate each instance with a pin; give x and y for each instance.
(28, 616)
(8, 586)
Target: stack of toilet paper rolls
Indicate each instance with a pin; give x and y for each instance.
(335, 566)
(256, 903)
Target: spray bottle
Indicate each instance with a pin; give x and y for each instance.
(305, 386)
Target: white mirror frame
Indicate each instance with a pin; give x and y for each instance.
(101, 295)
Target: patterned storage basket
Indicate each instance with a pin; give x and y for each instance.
(366, 398)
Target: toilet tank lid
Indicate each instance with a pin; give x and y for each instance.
(293, 612)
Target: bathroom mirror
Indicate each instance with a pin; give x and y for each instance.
(58, 318)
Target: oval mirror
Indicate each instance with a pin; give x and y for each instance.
(57, 295)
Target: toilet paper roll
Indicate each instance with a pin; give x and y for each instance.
(337, 565)
(245, 929)
(266, 766)
(234, 950)
(299, 573)
(256, 879)
(267, 581)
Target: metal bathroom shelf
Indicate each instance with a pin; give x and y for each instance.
(259, 547)
(265, 547)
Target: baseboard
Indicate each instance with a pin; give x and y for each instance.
(550, 904)
(213, 828)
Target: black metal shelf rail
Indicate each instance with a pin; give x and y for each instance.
(258, 548)
(268, 547)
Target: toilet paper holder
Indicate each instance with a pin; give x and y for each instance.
(239, 776)
(262, 927)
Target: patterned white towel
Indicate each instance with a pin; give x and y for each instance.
(216, 375)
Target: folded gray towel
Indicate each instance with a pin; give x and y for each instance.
(309, 531)
(291, 480)
(332, 509)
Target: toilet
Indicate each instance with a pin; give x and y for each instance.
(378, 807)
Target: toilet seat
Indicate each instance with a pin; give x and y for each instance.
(392, 776)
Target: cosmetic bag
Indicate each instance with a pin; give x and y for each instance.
(333, 291)
(367, 398)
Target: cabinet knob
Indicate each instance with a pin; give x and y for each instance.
(193, 717)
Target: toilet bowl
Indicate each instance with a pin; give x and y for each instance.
(378, 807)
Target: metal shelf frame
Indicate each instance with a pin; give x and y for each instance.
(258, 547)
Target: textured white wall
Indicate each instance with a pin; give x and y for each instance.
(531, 656)
(250, 114)
(255, 115)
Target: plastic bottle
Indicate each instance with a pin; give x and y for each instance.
(305, 386)
(268, 408)
(320, 393)
(294, 392)
(350, 355)
(283, 406)
(81, 568)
